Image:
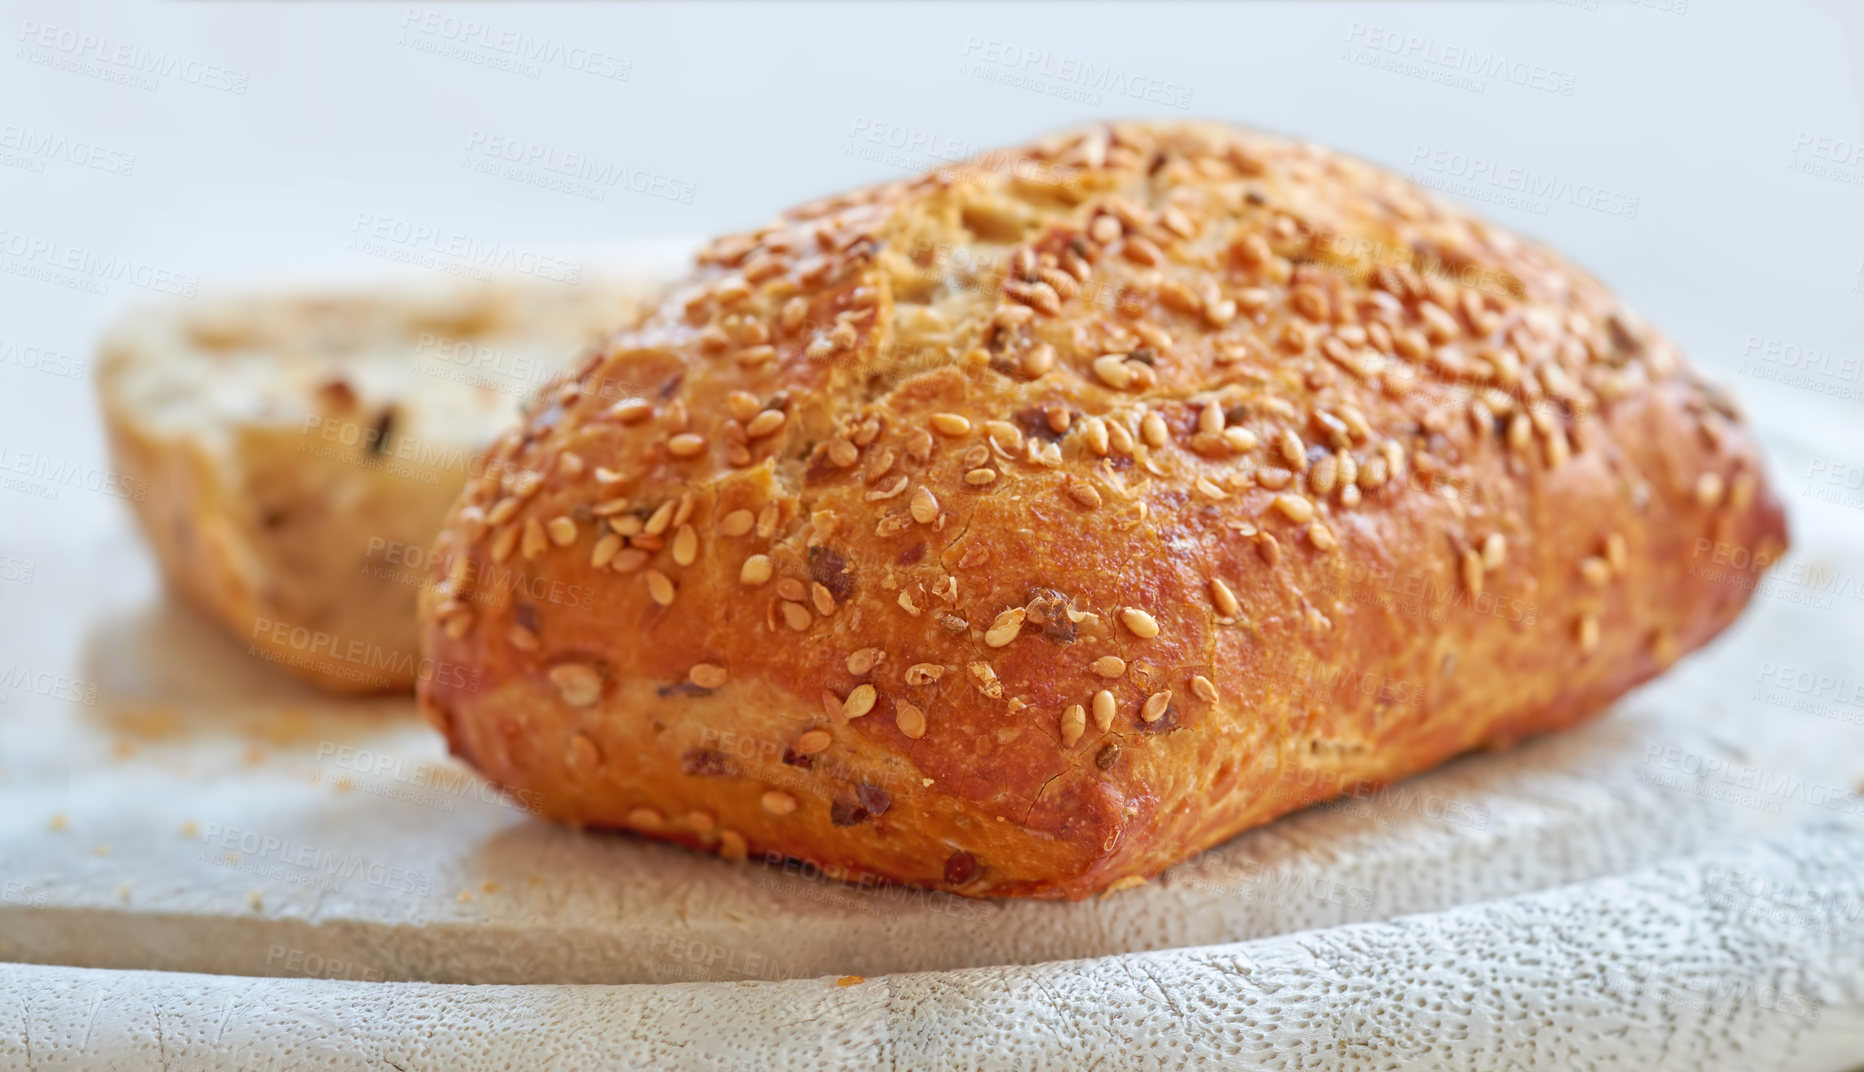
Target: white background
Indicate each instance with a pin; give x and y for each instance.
(1703, 117)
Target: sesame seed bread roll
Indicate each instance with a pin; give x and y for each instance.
(294, 454)
(1022, 528)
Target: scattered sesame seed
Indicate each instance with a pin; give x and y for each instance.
(1152, 430)
(765, 423)
(910, 720)
(534, 539)
(1083, 494)
(924, 673)
(792, 589)
(629, 560)
(659, 587)
(685, 545)
(1104, 710)
(1293, 451)
(1596, 571)
(1494, 551)
(950, 424)
(797, 617)
(1208, 489)
(1111, 666)
(1155, 705)
(1142, 624)
(980, 477)
(1709, 488)
(685, 445)
(645, 818)
(736, 523)
(1073, 725)
(1202, 686)
(1615, 553)
(1113, 371)
(707, 675)
(757, 569)
(777, 802)
(860, 701)
(578, 685)
(502, 511)
(661, 518)
(924, 506)
(1224, 599)
(860, 662)
(1471, 566)
(1322, 537)
(813, 741)
(1588, 632)
(1295, 508)
(732, 846)
(823, 599)
(1007, 627)
(605, 549)
(521, 638)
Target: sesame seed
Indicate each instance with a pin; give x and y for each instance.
(860, 701)
(1295, 508)
(1293, 451)
(1588, 632)
(791, 589)
(1073, 725)
(1323, 476)
(610, 507)
(685, 545)
(570, 463)
(1322, 537)
(1596, 571)
(521, 638)
(777, 802)
(813, 741)
(1111, 666)
(629, 560)
(1094, 432)
(534, 539)
(1224, 599)
(659, 587)
(645, 818)
(660, 519)
(1007, 627)
(1113, 371)
(736, 523)
(1083, 494)
(1709, 488)
(842, 453)
(924, 673)
(1494, 551)
(980, 477)
(742, 404)
(950, 424)
(685, 445)
(1472, 572)
(910, 720)
(700, 820)
(1240, 439)
(860, 662)
(1154, 708)
(1142, 624)
(797, 617)
(1210, 419)
(823, 599)
(707, 675)
(1202, 686)
(1208, 489)
(1104, 709)
(765, 423)
(732, 846)
(1038, 360)
(1615, 552)
(562, 531)
(502, 511)
(1152, 430)
(924, 506)
(578, 685)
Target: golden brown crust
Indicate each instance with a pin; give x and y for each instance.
(897, 571)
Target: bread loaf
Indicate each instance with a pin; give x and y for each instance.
(1025, 527)
(300, 452)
